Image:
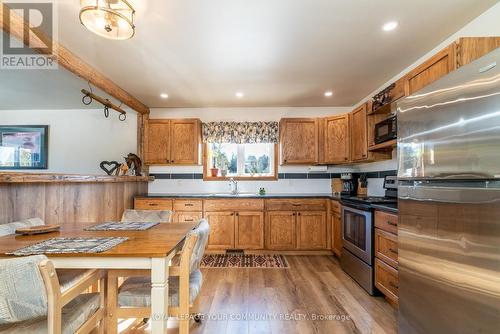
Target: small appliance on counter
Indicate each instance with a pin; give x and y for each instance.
(386, 130)
(349, 184)
(357, 257)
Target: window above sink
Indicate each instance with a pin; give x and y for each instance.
(240, 161)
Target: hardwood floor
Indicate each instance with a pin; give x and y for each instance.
(312, 286)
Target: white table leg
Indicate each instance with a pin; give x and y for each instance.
(159, 295)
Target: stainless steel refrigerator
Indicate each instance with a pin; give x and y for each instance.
(449, 203)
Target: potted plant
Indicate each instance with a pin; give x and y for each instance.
(214, 171)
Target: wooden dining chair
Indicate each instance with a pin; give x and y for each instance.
(33, 301)
(147, 216)
(133, 298)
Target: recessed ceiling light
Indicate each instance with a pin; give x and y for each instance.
(239, 95)
(390, 26)
(164, 95)
(328, 93)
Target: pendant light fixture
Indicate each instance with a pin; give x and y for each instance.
(113, 19)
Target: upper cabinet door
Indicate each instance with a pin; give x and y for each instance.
(433, 69)
(299, 141)
(157, 142)
(185, 143)
(336, 139)
(359, 143)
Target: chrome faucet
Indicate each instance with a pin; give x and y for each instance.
(233, 185)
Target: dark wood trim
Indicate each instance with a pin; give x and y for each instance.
(68, 178)
(68, 60)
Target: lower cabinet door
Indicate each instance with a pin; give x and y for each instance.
(249, 232)
(311, 230)
(337, 234)
(221, 230)
(280, 230)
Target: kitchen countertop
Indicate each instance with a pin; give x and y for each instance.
(242, 195)
(392, 208)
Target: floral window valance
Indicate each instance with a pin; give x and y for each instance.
(241, 132)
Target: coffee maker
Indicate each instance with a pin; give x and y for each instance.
(349, 184)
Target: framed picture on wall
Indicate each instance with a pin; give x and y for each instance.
(24, 146)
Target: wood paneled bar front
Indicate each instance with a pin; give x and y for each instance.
(67, 198)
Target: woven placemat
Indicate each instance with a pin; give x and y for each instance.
(70, 245)
(122, 226)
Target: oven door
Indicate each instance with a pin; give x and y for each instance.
(357, 232)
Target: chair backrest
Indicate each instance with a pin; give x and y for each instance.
(201, 233)
(147, 216)
(22, 289)
(10, 228)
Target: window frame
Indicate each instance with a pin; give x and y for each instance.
(207, 177)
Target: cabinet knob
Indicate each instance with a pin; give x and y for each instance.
(293, 214)
(299, 213)
(172, 161)
(237, 214)
(232, 213)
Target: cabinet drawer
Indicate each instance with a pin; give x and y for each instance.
(295, 204)
(188, 205)
(386, 221)
(152, 204)
(386, 247)
(234, 205)
(187, 217)
(386, 280)
(335, 206)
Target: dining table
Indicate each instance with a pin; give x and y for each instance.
(151, 249)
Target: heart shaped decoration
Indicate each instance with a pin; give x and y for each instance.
(109, 166)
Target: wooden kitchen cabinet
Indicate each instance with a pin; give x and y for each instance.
(157, 142)
(387, 280)
(153, 204)
(336, 233)
(336, 139)
(468, 49)
(431, 70)
(249, 230)
(221, 229)
(359, 142)
(299, 141)
(187, 217)
(311, 230)
(280, 230)
(185, 141)
(172, 142)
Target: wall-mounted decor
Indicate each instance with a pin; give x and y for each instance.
(24, 146)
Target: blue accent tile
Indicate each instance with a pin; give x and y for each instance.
(198, 176)
(334, 175)
(161, 176)
(318, 176)
(189, 176)
(372, 175)
(295, 175)
(281, 175)
(388, 173)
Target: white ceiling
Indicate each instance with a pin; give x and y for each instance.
(278, 52)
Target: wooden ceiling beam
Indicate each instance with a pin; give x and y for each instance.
(68, 60)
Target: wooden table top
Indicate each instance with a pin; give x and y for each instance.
(158, 241)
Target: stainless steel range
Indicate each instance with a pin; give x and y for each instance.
(357, 234)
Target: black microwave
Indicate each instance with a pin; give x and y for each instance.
(386, 130)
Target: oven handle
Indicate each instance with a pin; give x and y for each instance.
(361, 209)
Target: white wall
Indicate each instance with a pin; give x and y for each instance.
(79, 139)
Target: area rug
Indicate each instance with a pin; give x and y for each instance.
(244, 261)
